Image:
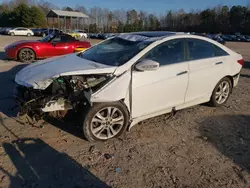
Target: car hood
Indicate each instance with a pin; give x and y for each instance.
(22, 42)
(41, 74)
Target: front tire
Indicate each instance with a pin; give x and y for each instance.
(26, 55)
(221, 92)
(28, 34)
(12, 34)
(105, 121)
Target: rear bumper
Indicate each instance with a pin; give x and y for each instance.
(236, 79)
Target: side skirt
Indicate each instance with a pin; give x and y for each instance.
(183, 106)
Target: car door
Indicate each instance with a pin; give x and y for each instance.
(61, 45)
(18, 31)
(164, 88)
(207, 65)
(23, 31)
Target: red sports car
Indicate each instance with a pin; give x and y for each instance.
(49, 46)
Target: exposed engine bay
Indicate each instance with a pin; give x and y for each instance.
(65, 93)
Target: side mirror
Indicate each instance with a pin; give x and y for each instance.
(147, 65)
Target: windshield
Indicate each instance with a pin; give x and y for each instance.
(115, 51)
(47, 38)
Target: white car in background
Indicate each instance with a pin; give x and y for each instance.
(130, 78)
(21, 31)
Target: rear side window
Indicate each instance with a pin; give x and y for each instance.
(219, 51)
(169, 52)
(200, 49)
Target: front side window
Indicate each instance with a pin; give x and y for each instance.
(115, 51)
(200, 49)
(169, 52)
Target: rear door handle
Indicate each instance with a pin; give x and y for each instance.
(218, 63)
(181, 73)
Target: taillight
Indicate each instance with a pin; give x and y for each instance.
(241, 61)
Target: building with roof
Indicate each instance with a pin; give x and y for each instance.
(67, 20)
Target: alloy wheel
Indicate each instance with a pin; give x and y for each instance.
(222, 92)
(107, 123)
(27, 55)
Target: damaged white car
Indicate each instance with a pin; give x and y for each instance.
(129, 78)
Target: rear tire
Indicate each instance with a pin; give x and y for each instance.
(221, 92)
(105, 121)
(26, 55)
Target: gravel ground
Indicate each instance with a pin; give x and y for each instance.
(198, 147)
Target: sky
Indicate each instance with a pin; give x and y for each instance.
(152, 6)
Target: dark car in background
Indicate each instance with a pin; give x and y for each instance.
(240, 38)
(219, 39)
(227, 38)
(38, 32)
(4, 31)
(46, 31)
(50, 31)
(34, 30)
(247, 38)
(215, 37)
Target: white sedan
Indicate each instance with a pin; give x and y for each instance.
(130, 78)
(21, 31)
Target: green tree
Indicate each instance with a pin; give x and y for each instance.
(120, 27)
(21, 16)
(38, 18)
(170, 20)
(223, 19)
(238, 18)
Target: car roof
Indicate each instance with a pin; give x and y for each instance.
(154, 33)
(147, 35)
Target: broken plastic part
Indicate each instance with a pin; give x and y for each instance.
(60, 104)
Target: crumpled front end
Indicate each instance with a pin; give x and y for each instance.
(63, 94)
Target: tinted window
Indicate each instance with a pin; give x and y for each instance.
(199, 49)
(219, 51)
(167, 53)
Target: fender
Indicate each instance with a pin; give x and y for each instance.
(26, 46)
(116, 90)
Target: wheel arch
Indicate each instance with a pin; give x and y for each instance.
(231, 79)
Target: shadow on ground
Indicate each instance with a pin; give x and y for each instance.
(39, 165)
(230, 134)
(7, 84)
(3, 56)
(245, 75)
(70, 124)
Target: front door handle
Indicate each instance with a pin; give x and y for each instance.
(181, 73)
(218, 63)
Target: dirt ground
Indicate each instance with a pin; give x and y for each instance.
(198, 147)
